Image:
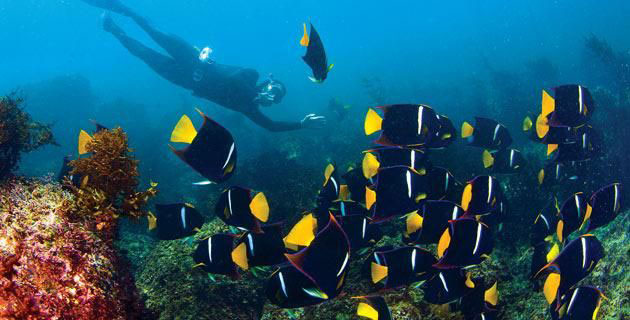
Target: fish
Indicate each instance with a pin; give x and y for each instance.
(588, 146)
(218, 254)
(486, 133)
(287, 287)
(466, 242)
(238, 208)
(574, 262)
(571, 105)
(530, 130)
(360, 231)
(540, 257)
(302, 233)
(389, 157)
(331, 188)
(603, 206)
(356, 183)
(398, 192)
(175, 221)
(545, 224)
(211, 151)
(315, 56)
(440, 184)
(482, 299)
(394, 268)
(265, 248)
(426, 225)
(572, 213)
(582, 302)
(565, 134)
(554, 173)
(84, 139)
(403, 125)
(448, 285)
(481, 195)
(326, 259)
(445, 135)
(503, 161)
(373, 308)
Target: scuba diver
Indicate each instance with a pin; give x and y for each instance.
(232, 87)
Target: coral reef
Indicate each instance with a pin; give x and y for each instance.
(52, 267)
(18, 133)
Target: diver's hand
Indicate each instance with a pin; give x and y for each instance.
(313, 121)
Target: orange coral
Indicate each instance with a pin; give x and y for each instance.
(110, 179)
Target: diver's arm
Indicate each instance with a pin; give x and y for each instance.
(310, 121)
(275, 126)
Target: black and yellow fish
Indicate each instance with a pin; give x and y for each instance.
(464, 243)
(394, 268)
(315, 56)
(326, 259)
(545, 224)
(448, 285)
(389, 157)
(356, 183)
(344, 208)
(211, 151)
(582, 302)
(587, 147)
(572, 214)
(440, 184)
(409, 125)
(175, 221)
(373, 308)
(603, 206)
(266, 248)
(482, 299)
(554, 173)
(481, 195)
(427, 224)
(576, 260)
(544, 253)
(398, 191)
(503, 161)
(571, 105)
(65, 170)
(238, 208)
(486, 133)
(331, 190)
(219, 255)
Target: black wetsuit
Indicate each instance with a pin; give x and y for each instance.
(229, 86)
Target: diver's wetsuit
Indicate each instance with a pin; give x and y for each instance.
(232, 87)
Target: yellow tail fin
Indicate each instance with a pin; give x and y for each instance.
(302, 233)
(466, 197)
(551, 287)
(373, 122)
(370, 165)
(239, 256)
(370, 197)
(330, 169)
(378, 272)
(367, 311)
(414, 222)
(527, 124)
(548, 104)
(184, 131)
(553, 253)
(551, 148)
(152, 219)
(467, 130)
(491, 295)
(304, 41)
(84, 139)
(445, 241)
(488, 159)
(259, 207)
(542, 126)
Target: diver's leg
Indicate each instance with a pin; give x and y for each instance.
(111, 5)
(176, 47)
(163, 65)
